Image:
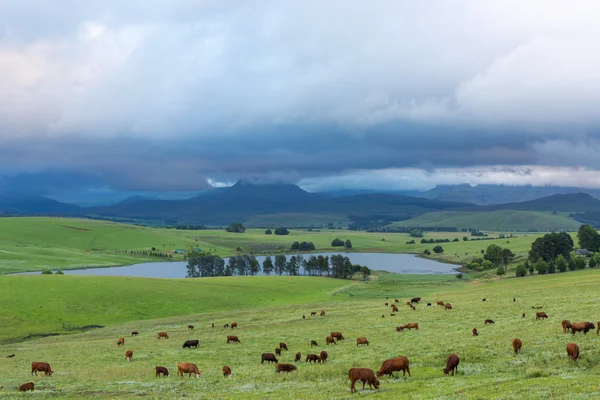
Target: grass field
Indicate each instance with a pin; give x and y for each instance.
(90, 365)
(500, 221)
(32, 244)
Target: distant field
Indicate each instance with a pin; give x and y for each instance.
(90, 365)
(500, 221)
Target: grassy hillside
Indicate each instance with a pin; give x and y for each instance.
(91, 365)
(500, 220)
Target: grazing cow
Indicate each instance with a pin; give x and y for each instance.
(277, 351)
(41, 367)
(475, 333)
(484, 299)
(451, 364)
(428, 304)
(488, 321)
(362, 374)
(329, 340)
(448, 306)
(233, 339)
(382, 316)
(213, 324)
(440, 303)
(313, 343)
(161, 370)
(121, 341)
(396, 301)
(337, 335)
(190, 327)
(540, 315)
(226, 326)
(191, 343)
(408, 303)
(313, 313)
(26, 386)
(573, 351)
(128, 355)
(393, 315)
(566, 325)
(394, 364)
(514, 300)
(283, 346)
(412, 325)
(323, 356)
(413, 307)
(268, 357)
(517, 344)
(135, 333)
(394, 308)
(523, 315)
(386, 304)
(414, 300)
(303, 316)
(298, 357)
(10, 356)
(233, 325)
(285, 368)
(189, 368)
(163, 335)
(226, 371)
(312, 358)
(322, 315)
(584, 327)
(362, 340)
(400, 328)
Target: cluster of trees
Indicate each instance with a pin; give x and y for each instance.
(303, 246)
(202, 264)
(493, 257)
(337, 242)
(188, 227)
(153, 253)
(425, 241)
(236, 228)
(478, 233)
(48, 271)
(416, 233)
(278, 231)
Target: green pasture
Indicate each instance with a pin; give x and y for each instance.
(269, 310)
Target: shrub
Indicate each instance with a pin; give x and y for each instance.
(438, 249)
(521, 270)
(348, 244)
(561, 263)
(337, 242)
(416, 233)
(459, 276)
(59, 272)
(282, 231)
(426, 252)
(500, 271)
(580, 262)
(236, 228)
(268, 232)
(46, 271)
(295, 245)
(465, 238)
(411, 242)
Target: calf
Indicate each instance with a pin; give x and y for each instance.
(303, 316)
(514, 300)
(386, 304)
(394, 364)
(312, 358)
(161, 370)
(541, 315)
(440, 303)
(362, 340)
(451, 364)
(135, 333)
(277, 351)
(393, 315)
(566, 325)
(396, 301)
(523, 315)
(313, 343)
(233, 339)
(120, 341)
(298, 357)
(517, 344)
(128, 355)
(382, 316)
(584, 327)
(484, 299)
(163, 335)
(283, 346)
(226, 326)
(41, 367)
(226, 371)
(313, 313)
(400, 328)
(191, 343)
(26, 386)
(322, 315)
(234, 325)
(323, 356)
(475, 333)
(394, 308)
(448, 306)
(573, 351)
(362, 374)
(190, 327)
(412, 325)
(189, 368)
(337, 335)
(428, 304)
(329, 340)
(488, 321)
(285, 368)
(268, 357)
(413, 307)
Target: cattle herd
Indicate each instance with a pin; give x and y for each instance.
(364, 375)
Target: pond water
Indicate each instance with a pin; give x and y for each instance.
(396, 263)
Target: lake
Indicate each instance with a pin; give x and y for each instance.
(396, 263)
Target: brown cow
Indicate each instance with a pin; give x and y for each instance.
(298, 357)
(412, 325)
(282, 346)
(475, 333)
(451, 364)
(448, 306)
(413, 307)
(440, 303)
(163, 334)
(566, 325)
(313, 343)
(323, 356)
(234, 325)
(584, 327)
(128, 355)
(541, 315)
(394, 308)
(190, 326)
(268, 357)
(26, 386)
(408, 303)
(41, 367)
(120, 341)
(488, 321)
(523, 315)
(161, 370)
(313, 313)
(337, 335)
(189, 368)
(514, 300)
(322, 315)
(517, 344)
(213, 324)
(277, 351)
(573, 351)
(393, 315)
(396, 301)
(135, 333)
(285, 368)
(400, 328)
(362, 374)
(386, 304)
(382, 316)
(233, 339)
(329, 340)
(484, 299)
(303, 316)
(312, 358)
(394, 364)
(226, 371)
(362, 340)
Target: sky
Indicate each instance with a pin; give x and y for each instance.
(184, 95)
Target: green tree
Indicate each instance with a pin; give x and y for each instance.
(236, 228)
(438, 249)
(530, 267)
(521, 270)
(365, 271)
(465, 238)
(487, 264)
(426, 252)
(550, 246)
(493, 253)
(551, 267)
(295, 246)
(416, 233)
(588, 238)
(348, 244)
(596, 259)
(500, 270)
(561, 263)
(541, 267)
(507, 256)
(337, 242)
(579, 262)
(282, 231)
(268, 232)
(280, 264)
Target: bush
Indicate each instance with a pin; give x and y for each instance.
(500, 271)
(561, 263)
(348, 244)
(236, 228)
(541, 267)
(282, 231)
(46, 271)
(459, 276)
(438, 249)
(580, 262)
(410, 242)
(455, 240)
(295, 245)
(465, 238)
(305, 246)
(416, 233)
(337, 242)
(426, 252)
(268, 232)
(521, 270)
(59, 272)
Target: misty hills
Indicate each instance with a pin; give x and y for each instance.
(31, 204)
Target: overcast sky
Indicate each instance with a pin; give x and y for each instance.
(179, 95)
